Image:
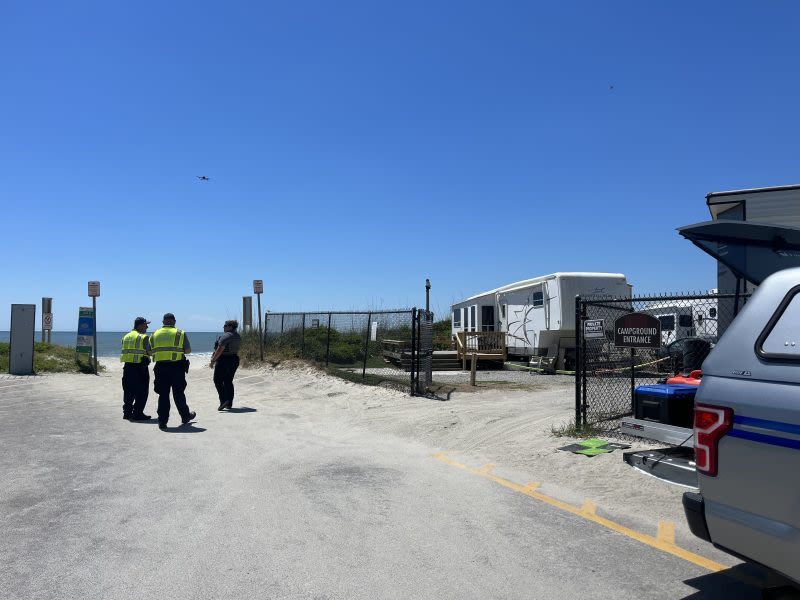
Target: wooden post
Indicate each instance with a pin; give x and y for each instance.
(473, 368)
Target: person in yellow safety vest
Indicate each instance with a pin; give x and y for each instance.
(169, 347)
(135, 373)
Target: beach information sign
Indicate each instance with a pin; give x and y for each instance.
(85, 330)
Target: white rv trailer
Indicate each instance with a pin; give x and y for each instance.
(685, 318)
(537, 314)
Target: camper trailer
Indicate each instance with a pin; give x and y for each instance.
(538, 315)
(685, 318)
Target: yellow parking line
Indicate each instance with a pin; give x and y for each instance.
(664, 540)
(666, 532)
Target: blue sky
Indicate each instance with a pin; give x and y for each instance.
(356, 148)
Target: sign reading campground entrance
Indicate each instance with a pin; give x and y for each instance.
(593, 328)
(637, 330)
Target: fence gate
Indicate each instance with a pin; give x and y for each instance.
(422, 353)
(607, 375)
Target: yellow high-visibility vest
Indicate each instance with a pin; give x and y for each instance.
(167, 344)
(133, 349)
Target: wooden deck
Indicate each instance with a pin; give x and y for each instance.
(398, 352)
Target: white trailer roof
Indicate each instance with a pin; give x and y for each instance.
(512, 287)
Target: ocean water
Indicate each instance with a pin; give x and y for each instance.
(109, 342)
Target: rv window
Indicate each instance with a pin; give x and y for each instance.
(685, 320)
(457, 317)
(503, 311)
(538, 299)
(667, 322)
(779, 340)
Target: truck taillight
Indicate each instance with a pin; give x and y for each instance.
(710, 424)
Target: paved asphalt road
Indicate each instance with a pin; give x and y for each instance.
(268, 503)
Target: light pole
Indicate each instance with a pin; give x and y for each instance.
(427, 295)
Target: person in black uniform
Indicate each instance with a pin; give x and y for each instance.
(226, 359)
(169, 347)
(135, 372)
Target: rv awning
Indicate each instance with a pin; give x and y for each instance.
(753, 251)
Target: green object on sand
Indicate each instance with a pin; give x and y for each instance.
(593, 447)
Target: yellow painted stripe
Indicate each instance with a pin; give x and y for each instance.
(666, 532)
(661, 542)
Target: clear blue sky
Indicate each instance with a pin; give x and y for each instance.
(355, 148)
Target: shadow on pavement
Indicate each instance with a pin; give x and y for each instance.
(243, 409)
(188, 428)
(744, 581)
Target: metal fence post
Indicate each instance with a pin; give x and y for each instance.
(413, 344)
(366, 347)
(418, 353)
(633, 379)
(328, 350)
(303, 338)
(578, 359)
(584, 354)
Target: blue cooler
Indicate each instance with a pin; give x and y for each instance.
(664, 403)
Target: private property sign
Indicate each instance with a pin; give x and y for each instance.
(637, 330)
(593, 329)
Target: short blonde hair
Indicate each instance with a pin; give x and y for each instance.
(232, 323)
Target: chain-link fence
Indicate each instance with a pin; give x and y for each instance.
(371, 346)
(608, 375)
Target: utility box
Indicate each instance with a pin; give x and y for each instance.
(23, 322)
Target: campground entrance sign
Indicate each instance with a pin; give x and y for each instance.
(637, 330)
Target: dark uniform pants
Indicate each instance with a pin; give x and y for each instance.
(135, 388)
(223, 377)
(170, 375)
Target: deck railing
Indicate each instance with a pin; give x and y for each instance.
(485, 344)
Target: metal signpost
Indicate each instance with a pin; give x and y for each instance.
(47, 320)
(94, 293)
(258, 289)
